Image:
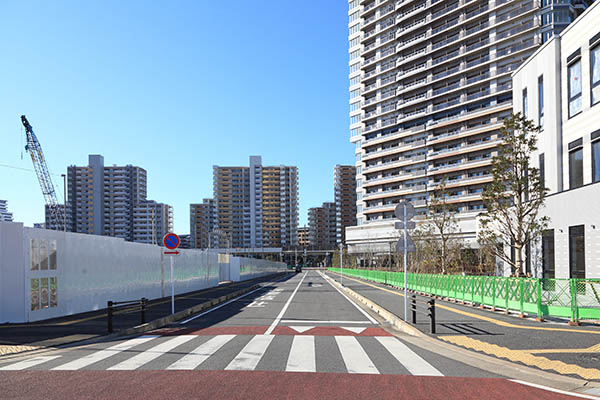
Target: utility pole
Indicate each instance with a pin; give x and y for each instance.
(341, 265)
(65, 200)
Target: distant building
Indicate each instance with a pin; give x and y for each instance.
(322, 226)
(558, 88)
(4, 214)
(106, 201)
(151, 221)
(303, 237)
(186, 241)
(257, 206)
(203, 221)
(344, 187)
(51, 222)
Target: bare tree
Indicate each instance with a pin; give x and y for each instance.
(515, 196)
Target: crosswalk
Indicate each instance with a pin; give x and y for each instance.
(301, 353)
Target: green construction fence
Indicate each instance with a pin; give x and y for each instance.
(577, 299)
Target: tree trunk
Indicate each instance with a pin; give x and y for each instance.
(518, 260)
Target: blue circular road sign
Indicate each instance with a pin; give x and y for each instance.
(171, 241)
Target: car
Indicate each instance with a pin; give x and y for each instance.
(298, 268)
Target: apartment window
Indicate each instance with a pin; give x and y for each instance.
(353, 4)
(596, 156)
(355, 106)
(525, 108)
(542, 170)
(577, 251)
(354, 29)
(355, 119)
(354, 93)
(354, 67)
(574, 74)
(595, 73)
(575, 164)
(354, 16)
(354, 132)
(355, 42)
(541, 101)
(355, 54)
(548, 254)
(355, 80)
(358, 182)
(358, 170)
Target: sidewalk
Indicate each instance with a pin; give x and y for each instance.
(553, 346)
(53, 332)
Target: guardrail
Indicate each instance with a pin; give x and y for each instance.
(125, 307)
(576, 299)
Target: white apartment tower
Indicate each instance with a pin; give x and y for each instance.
(4, 214)
(430, 85)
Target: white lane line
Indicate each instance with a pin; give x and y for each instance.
(356, 359)
(102, 354)
(151, 354)
(250, 355)
(573, 394)
(287, 304)
(302, 355)
(408, 358)
(304, 321)
(351, 302)
(224, 304)
(28, 363)
(201, 353)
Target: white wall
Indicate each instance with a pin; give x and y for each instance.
(90, 270)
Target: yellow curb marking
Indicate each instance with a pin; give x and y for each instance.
(523, 356)
(481, 317)
(593, 349)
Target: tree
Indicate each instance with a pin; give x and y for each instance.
(515, 196)
(442, 217)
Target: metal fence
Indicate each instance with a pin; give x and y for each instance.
(577, 299)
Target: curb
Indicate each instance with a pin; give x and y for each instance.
(390, 317)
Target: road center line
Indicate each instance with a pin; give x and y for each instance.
(351, 302)
(287, 304)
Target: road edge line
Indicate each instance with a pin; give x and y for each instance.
(285, 307)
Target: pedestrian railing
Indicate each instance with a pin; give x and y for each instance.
(428, 310)
(125, 307)
(576, 299)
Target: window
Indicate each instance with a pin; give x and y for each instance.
(542, 170)
(525, 108)
(355, 119)
(355, 106)
(352, 4)
(354, 29)
(354, 132)
(354, 93)
(541, 101)
(548, 254)
(354, 67)
(575, 165)
(358, 170)
(577, 251)
(355, 42)
(358, 182)
(595, 74)
(354, 16)
(355, 80)
(574, 75)
(596, 158)
(355, 54)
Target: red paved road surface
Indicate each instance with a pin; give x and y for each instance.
(266, 385)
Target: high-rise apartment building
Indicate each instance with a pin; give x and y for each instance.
(203, 222)
(322, 226)
(429, 88)
(4, 214)
(303, 237)
(257, 206)
(344, 188)
(151, 221)
(111, 201)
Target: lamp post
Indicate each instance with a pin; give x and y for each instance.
(341, 265)
(64, 176)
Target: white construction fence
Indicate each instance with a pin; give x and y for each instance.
(47, 274)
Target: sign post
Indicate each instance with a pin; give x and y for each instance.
(405, 211)
(171, 242)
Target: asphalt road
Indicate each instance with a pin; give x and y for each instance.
(296, 338)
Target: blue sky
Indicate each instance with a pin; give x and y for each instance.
(174, 87)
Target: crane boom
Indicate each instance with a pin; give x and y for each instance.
(34, 148)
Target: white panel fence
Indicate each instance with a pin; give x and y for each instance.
(46, 274)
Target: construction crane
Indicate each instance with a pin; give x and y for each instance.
(34, 148)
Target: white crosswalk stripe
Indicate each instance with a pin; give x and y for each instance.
(300, 356)
(32, 362)
(250, 355)
(356, 359)
(103, 354)
(201, 353)
(145, 357)
(411, 360)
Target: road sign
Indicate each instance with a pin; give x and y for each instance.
(410, 245)
(409, 225)
(399, 211)
(171, 241)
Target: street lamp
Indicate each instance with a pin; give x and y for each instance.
(341, 265)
